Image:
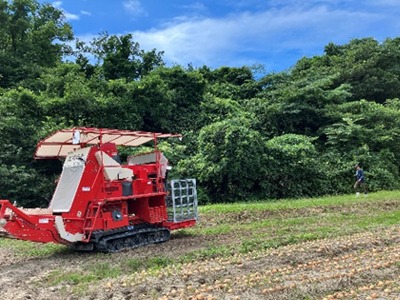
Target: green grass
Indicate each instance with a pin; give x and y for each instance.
(230, 228)
(211, 252)
(297, 203)
(281, 226)
(82, 279)
(292, 227)
(155, 263)
(91, 273)
(225, 226)
(31, 249)
(383, 219)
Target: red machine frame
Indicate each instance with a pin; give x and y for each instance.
(110, 199)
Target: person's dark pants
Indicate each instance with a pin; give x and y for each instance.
(360, 186)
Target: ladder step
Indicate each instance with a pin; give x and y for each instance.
(90, 218)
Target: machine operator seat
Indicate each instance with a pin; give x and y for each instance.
(112, 169)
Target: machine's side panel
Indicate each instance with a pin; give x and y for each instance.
(37, 228)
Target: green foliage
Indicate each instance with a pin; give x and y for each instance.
(290, 134)
(26, 186)
(214, 109)
(368, 133)
(365, 123)
(295, 106)
(19, 122)
(177, 108)
(228, 163)
(292, 168)
(369, 67)
(235, 83)
(20, 128)
(27, 40)
(121, 57)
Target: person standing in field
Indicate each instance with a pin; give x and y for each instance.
(360, 182)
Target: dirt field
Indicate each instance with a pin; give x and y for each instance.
(363, 265)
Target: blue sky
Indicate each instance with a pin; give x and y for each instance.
(215, 33)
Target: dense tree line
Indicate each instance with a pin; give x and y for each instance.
(291, 134)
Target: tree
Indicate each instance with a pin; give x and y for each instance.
(71, 97)
(292, 168)
(231, 82)
(67, 96)
(20, 130)
(369, 67)
(229, 161)
(121, 57)
(32, 37)
(184, 91)
(365, 123)
(289, 105)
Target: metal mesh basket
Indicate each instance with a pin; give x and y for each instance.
(182, 200)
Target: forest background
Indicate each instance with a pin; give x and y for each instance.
(247, 135)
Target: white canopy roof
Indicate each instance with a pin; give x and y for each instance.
(60, 143)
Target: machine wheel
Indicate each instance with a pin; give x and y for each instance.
(117, 245)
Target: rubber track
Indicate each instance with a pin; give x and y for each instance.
(132, 239)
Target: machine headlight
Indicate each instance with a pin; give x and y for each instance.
(3, 222)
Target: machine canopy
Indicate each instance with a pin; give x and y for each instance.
(60, 143)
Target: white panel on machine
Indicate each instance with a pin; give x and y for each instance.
(71, 176)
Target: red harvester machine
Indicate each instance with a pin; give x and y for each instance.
(101, 204)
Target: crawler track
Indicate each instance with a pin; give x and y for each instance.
(124, 238)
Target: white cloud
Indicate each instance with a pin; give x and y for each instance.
(134, 8)
(277, 35)
(198, 6)
(57, 4)
(233, 39)
(83, 12)
(390, 3)
(69, 16)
